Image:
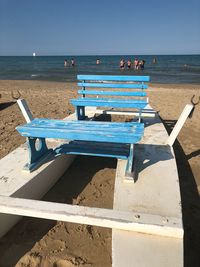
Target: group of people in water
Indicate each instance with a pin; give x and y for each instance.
(136, 64)
(69, 63)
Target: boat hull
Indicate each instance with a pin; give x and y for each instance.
(155, 192)
(17, 183)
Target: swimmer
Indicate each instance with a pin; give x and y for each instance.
(136, 64)
(65, 63)
(141, 64)
(129, 64)
(72, 62)
(98, 62)
(122, 64)
(154, 60)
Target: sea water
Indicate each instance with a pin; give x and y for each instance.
(168, 68)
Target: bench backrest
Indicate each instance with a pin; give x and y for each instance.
(112, 82)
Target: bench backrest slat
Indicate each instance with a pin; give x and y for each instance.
(114, 85)
(124, 78)
(113, 93)
(109, 102)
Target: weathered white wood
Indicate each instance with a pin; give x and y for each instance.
(132, 221)
(183, 117)
(14, 182)
(131, 249)
(25, 110)
(156, 191)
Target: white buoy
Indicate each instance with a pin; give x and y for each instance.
(34, 54)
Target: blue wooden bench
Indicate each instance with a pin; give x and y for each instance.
(136, 96)
(83, 138)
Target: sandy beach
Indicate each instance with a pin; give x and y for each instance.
(90, 180)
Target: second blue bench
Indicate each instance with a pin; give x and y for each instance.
(125, 86)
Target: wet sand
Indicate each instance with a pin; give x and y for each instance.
(90, 180)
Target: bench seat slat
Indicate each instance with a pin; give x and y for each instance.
(43, 122)
(95, 149)
(79, 128)
(66, 131)
(71, 134)
(110, 102)
(114, 93)
(113, 78)
(114, 85)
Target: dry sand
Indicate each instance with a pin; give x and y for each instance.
(90, 180)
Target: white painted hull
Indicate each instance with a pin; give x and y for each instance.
(17, 183)
(157, 192)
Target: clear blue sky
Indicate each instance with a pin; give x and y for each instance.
(92, 27)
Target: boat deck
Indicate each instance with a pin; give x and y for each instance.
(156, 192)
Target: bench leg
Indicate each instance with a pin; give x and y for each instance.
(129, 167)
(80, 113)
(140, 115)
(38, 152)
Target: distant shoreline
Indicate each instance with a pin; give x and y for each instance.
(154, 84)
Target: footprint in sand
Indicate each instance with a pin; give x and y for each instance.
(63, 263)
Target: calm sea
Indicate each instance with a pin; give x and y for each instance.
(168, 69)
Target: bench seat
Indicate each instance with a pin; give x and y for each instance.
(83, 138)
(118, 132)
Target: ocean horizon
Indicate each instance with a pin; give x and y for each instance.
(167, 69)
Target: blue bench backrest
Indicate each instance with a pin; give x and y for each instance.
(112, 82)
(124, 78)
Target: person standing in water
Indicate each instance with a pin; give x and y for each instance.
(65, 63)
(129, 64)
(141, 64)
(98, 61)
(136, 64)
(122, 64)
(72, 62)
(154, 60)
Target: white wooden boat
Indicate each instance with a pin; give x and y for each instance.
(146, 219)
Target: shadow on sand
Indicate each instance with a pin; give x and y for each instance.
(6, 104)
